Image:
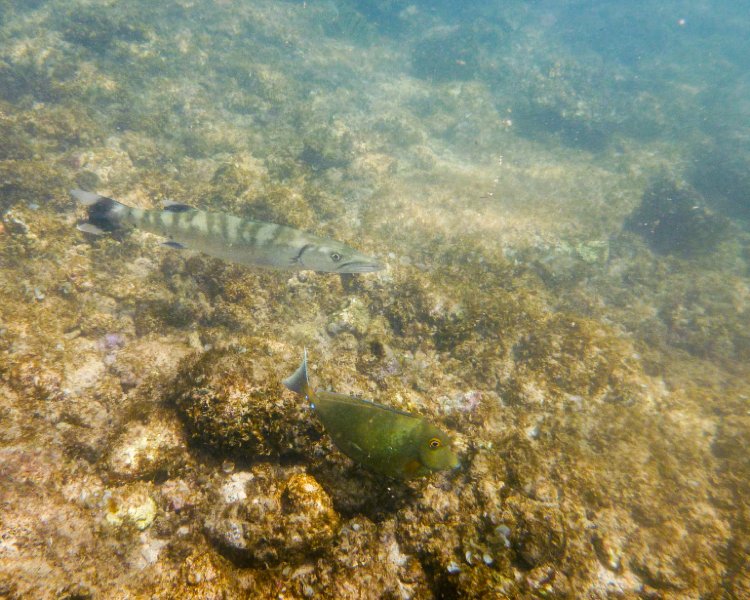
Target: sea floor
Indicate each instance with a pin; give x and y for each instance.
(567, 292)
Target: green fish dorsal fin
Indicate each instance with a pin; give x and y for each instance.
(298, 381)
(336, 398)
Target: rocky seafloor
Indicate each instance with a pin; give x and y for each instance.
(539, 303)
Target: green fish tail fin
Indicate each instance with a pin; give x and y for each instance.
(297, 381)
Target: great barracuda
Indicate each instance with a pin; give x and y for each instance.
(227, 237)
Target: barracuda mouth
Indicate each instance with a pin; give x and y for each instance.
(360, 266)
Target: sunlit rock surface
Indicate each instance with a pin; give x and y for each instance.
(268, 516)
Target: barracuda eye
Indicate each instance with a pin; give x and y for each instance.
(335, 256)
(435, 443)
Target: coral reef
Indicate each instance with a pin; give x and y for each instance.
(555, 298)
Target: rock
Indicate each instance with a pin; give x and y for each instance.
(129, 505)
(352, 318)
(368, 562)
(232, 399)
(281, 515)
(446, 55)
(546, 581)
(675, 220)
(177, 496)
(537, 530)
(147, 450)
(719, 170)
(206, 577)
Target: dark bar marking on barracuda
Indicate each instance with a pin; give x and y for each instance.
(225, 227)
(242, 232)
(265, 233)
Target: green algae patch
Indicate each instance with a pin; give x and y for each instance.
(573, 355)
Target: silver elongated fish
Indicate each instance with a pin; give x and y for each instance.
(228, 237)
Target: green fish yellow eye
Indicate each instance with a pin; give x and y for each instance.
(435, 443)
(335, 256)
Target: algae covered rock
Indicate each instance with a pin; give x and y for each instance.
(536, 530)
(206, 577)
(368, 562)
(97, 31)
(446, 55)
(675, 220)
(146, 450)
(270, 515)
(232, 399)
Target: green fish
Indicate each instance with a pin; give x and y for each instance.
(386, 440)
(227, 237)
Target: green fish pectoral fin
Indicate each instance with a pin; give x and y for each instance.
(298, 382)
(414, 468)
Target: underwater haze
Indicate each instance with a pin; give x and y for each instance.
(521, 229)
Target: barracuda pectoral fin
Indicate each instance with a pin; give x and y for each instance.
(172, 206)
(173, 244)
(89, 228)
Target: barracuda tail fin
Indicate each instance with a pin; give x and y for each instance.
(105, 214)
(297, 381)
